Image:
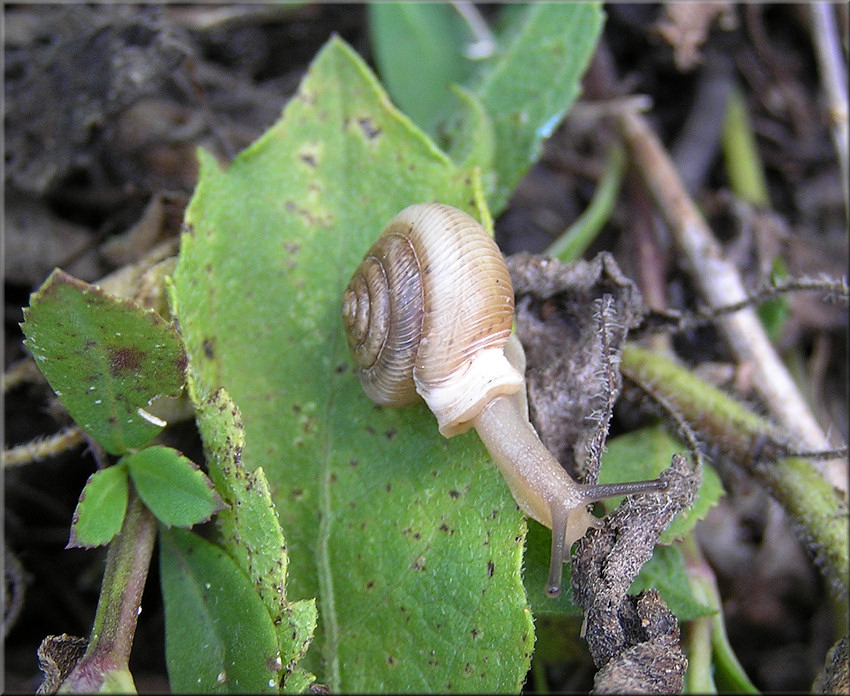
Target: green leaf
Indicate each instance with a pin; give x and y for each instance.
(744, 167)
(538, 548)
(177, 492)
(249, 529)
(219, 636)
(419, 51)
(666, 572)
(404, 538)
(774, 313)
(530, 84)
(642, 455)
(101, 508)
(473, 141)
(521, 93)
(105, 358)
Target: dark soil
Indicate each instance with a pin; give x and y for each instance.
(105, 107)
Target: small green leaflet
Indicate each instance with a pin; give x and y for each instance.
(105, 358)
(173, 487)
(101, 508)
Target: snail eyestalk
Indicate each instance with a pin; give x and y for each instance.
(540, 485)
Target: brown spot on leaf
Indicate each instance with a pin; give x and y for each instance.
(369, 128)
(308, 158)
(125, 360)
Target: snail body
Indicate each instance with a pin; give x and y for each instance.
(428, 316)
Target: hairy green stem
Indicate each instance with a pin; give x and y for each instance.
(818, 510)
(105, 663)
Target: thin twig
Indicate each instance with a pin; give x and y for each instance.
(834, 290)
(42, 448)
(720, 285)
(833, 72)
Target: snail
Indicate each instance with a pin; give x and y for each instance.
(428, 316)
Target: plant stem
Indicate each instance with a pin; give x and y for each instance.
(699, 678)
(575, 239)
(833, 70)
(818, 509)
(127, 562)
(710, 630)
(740, 151)
(720, 284)
(36, 450)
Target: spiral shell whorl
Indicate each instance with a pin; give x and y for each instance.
(382, 313)
(441, 330)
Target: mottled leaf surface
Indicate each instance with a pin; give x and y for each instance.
(411, 544)
(105, 358)
(249, 531)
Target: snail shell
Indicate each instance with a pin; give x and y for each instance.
(421, 323)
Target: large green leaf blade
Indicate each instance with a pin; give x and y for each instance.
(529, 86)
(411, 544)
(105, 358)
(419, 52)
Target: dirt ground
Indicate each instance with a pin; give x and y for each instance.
(105, 107)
